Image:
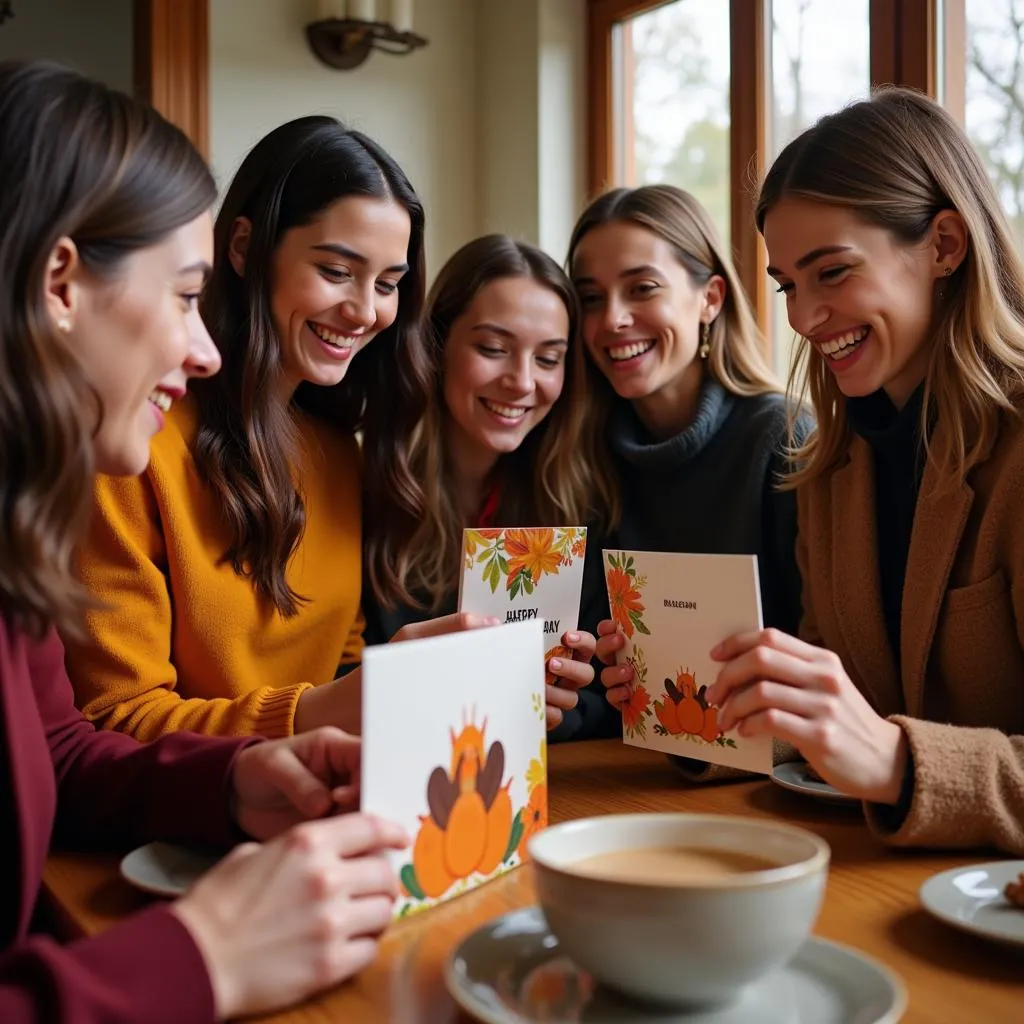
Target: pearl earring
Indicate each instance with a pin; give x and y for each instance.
(64, 324)
(705, 345)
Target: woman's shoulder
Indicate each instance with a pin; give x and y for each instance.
(177, 438)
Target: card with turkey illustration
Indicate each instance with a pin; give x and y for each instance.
(522, 574)
(673, 609)
(455, 750)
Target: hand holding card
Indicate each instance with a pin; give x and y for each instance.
(466, 712)
(518, 574)
(672, 609)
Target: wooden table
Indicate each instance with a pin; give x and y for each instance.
(871, 901)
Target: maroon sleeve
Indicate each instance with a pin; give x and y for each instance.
(113, 791)
(145, 971)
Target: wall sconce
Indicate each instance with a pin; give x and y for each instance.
(347, 30)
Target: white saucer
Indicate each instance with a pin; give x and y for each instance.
(511, 971)
(165, 869)
(793, 775)
(972, 898)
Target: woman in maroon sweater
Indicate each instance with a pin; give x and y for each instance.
(105, 242)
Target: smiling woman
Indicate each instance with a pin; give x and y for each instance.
(696, 424)
(507, 441)
(901, 272)
(230, 573)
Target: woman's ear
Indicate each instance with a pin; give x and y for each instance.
(60, 285)
(949, 242)
(714, 296)
(238, 245)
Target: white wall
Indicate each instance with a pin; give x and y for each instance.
(420, 107)
(532, 114)
(487, 120)
(94, 38)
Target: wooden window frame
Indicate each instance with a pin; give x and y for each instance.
(903, 38)
(172, 63)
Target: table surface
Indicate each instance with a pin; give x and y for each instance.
(871, 901)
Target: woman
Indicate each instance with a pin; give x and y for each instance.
(104, 245)
(696, 422)
(504, 443)
(901, 274)
(229, 574)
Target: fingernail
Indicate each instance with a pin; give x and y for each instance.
(716, 651)
(492, 620)
(572, 637)
(555, 664)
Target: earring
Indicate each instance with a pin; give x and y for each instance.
(947, 270)
(705, 345)
(64, 325)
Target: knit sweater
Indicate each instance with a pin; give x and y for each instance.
(183, 641)
(60, 778)
(708, 490)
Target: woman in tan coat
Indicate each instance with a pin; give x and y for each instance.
(906, 687)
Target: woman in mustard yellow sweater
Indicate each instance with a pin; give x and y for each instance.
(229, 574)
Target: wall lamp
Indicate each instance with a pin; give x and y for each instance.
(347, 30)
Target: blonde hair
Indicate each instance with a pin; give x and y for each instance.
(737, 351)
(558, 469)
(897, 160)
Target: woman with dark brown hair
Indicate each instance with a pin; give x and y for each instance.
(230, 573)
(505, 442)
(104, 247)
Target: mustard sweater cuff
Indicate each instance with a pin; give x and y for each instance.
(274, 710)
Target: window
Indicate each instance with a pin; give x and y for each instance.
(676, 126)
(703, 93)
(994, 97)
(811, 76)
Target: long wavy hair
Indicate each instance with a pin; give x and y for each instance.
(558, 470)
(80, 161)
(737, 350)
(896, 160)
(246, 446)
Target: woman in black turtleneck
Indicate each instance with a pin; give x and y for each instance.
(696, 423)
(906, 687)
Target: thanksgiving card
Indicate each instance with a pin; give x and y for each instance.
(521, 574)
(455, 750)
(673, 609)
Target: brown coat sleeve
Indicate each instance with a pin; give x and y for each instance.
(968, 789)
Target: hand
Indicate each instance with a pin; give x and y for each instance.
(455, 623)
(772, 684)
(277, 923)
(571, 675)
(280, 783)
(617, 679)
(340, 703)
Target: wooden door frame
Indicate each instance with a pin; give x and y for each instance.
(172, 63)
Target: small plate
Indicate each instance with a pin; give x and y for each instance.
(165, 869)
(511, 971)
(972, 898)
(793, 775)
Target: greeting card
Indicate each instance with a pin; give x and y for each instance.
(455, 750)
(529, 573)
(673, 609)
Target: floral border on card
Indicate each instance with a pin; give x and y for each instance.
(522, 557)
